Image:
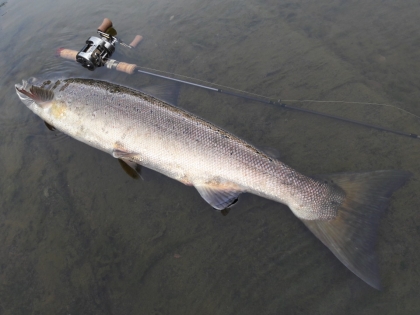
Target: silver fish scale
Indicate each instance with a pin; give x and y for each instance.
(182, 146)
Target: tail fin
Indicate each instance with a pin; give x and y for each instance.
(351, 235)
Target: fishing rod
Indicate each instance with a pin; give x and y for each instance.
(98, 51)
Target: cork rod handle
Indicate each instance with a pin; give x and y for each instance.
(119, 66)
(126, 67)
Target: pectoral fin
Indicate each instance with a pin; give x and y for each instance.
(133, 169)
(50, 127)
(121, 154)
(219, 196)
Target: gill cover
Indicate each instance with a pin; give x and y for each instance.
(29, 93)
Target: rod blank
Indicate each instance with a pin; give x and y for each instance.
(131, 68)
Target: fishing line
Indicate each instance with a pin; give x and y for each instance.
(356, 103)
(265, 100)
(283, 100)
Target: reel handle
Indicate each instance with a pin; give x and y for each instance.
(136, 41)
(111, 64)
(106, 23)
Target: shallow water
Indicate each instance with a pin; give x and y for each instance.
(78, 236)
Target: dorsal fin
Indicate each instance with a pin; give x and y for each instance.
(271, 152)
(165, 92)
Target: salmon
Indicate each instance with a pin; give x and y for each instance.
(145, 128)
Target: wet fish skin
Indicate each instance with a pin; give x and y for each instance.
(173, 142)
(142, 129)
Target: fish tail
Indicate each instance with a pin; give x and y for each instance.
(351, 235)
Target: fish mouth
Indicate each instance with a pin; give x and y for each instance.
(20, 88)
